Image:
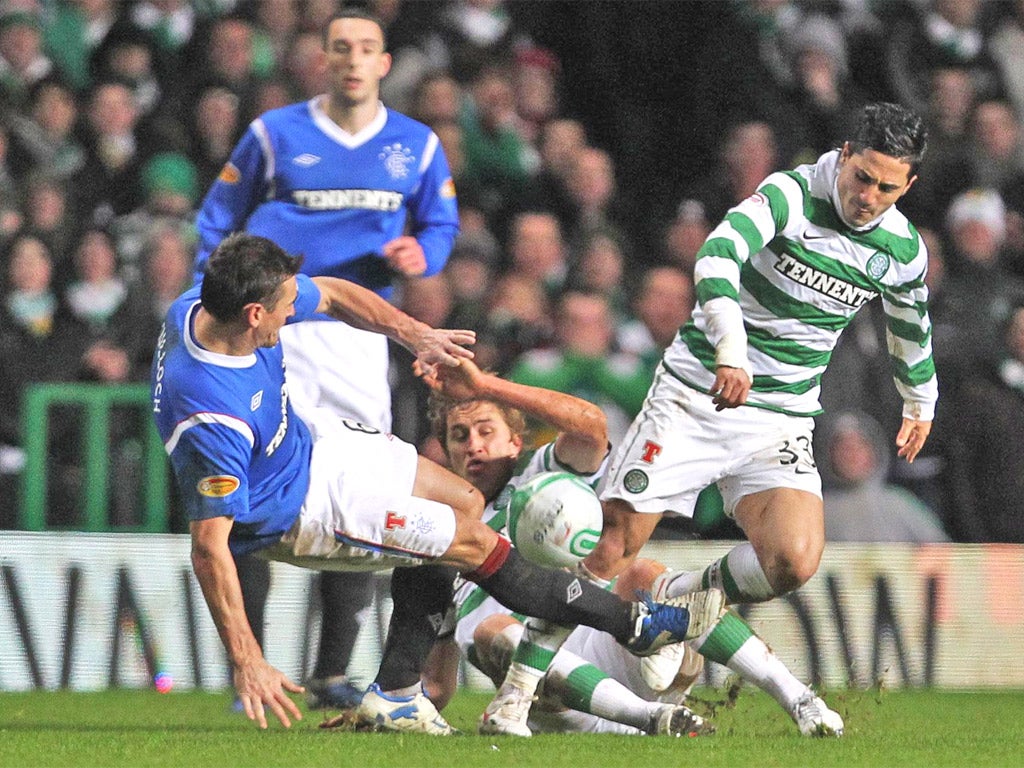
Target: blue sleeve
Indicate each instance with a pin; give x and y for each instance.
(307, 301)
(211, 464)
(236, 192)
(434, 213)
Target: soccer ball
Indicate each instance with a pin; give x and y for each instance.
(554, 519)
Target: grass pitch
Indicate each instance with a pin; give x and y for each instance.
(144, 728)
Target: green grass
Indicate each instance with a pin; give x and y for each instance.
(143, 728)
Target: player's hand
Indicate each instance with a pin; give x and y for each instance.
(911, 438)
(461, 382)
(405, 256)
(260, 685)
(440, 346)
(731, 387)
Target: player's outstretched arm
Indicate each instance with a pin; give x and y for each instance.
(582, 427)
(257, 683)
(911, 438)
(364, 309)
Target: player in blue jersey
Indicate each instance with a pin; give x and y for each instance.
(335, 494)
(340, 179)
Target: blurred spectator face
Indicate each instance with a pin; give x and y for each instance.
(315, 13)
(305, 64)
(560, 141)
(976, 242)
(169, 264)
(112, 111)
(750, 152)
(951, 98)
(852, 455)
(584, 324)
(20, 45)
(591, 179)
(356, 60)
(959, 13)
(273, 94)
(516, 296)
(665, 303)
(468, 278)
(132, 61)
(230, 50)
(1015, 335)
(601, 264)
(54, 110)
(280, 18)
(46, 205)
(687, 234)
(438, 100)
(536, 247)
(996, 129)
(95, 258)
(30, 267)
(495, 99)
(217, 115)
(535, 86)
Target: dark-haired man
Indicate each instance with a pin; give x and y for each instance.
(335, 494)
(776, 282)
(338, 178)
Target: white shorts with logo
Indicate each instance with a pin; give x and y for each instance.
(359, 513)
(679, 444)
(332, 365)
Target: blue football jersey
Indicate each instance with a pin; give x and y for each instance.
(298, 179)
(236, 446)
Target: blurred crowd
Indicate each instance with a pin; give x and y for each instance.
(116, 116)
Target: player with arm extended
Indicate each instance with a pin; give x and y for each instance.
(777, 281)
(253, 477)
(363, 193)
(479, 420)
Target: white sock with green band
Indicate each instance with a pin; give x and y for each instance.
(581, 686)
(738, 574)
(733, 643)
(537, 647)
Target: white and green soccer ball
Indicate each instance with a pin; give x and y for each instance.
(554, 519)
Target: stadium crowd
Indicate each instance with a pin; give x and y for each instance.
(115, 118)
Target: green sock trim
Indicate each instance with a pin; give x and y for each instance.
(726, 638)
(729, 585)
(533, 656)
(580, 685)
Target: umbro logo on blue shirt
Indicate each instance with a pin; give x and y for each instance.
(306, 160)
(256, 400)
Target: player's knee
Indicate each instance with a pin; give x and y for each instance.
(795, 565)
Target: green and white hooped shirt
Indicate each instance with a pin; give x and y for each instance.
(799, 274)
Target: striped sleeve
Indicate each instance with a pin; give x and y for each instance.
(909, 338)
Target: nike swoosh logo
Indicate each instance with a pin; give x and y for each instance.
(809, 236)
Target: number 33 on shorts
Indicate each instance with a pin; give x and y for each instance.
(797, 453)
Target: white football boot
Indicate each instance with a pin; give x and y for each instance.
(409, 714)
(814, 718)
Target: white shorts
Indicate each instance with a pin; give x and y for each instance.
(679, 444)
(359, 513)
(332, 365)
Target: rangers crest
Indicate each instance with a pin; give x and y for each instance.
(397, 160)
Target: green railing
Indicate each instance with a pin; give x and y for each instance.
(96, 402)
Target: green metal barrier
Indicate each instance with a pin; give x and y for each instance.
(96, 400)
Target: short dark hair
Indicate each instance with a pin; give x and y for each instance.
(354, 12)
(242, 270)
(893, 130)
